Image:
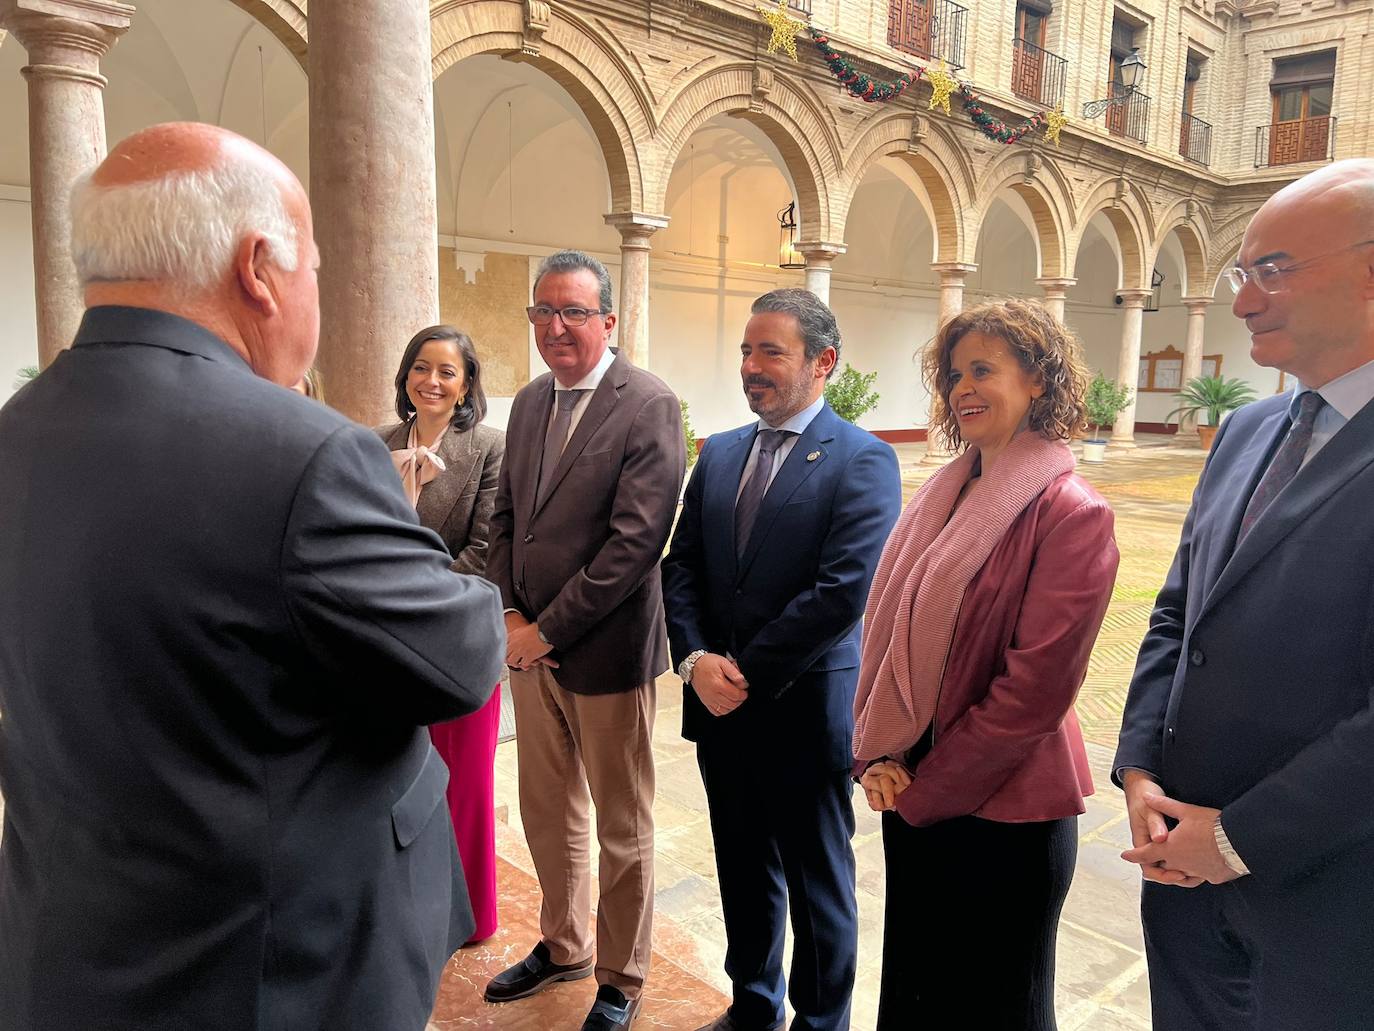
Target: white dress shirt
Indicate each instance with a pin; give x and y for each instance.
(797, 425)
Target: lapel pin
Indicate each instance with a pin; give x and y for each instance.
(813, 456)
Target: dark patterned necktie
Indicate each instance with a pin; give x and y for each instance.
(1285, 464)
(751, 495)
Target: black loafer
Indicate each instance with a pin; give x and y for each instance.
(725, 1022)
(532, 974)
(612, 1011)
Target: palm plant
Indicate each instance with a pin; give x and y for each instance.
(26, 373)
(1215, 395)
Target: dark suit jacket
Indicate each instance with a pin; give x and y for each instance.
(789, 610)
(457, 503)
(584, 563)
(221, 634)
(1252, 692)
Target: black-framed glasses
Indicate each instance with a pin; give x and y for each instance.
(1269, 277)
(542, 314)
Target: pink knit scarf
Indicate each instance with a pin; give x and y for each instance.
(926, 567)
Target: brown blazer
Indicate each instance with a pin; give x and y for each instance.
(585, 564)
(457, 503)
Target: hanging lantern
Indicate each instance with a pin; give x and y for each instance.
(788, 255)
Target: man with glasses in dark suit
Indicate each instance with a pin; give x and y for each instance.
(1247, 747)
(594, 462)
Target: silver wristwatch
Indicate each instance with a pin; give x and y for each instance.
(684, 669)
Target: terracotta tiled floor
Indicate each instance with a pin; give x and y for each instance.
(1101, 969)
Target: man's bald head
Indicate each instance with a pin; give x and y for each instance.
(1337, 200)
(196, 220)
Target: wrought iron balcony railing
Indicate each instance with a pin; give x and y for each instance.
(1037, 74)
(1287, 143)
(1128, 113)
(800, 6)
(928, 29)
(1195, 139)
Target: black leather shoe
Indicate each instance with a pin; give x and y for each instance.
(612, 1011)
(725, 1022)
(532, 974)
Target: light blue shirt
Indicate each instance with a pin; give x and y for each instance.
(1344, 396)
(797, 424)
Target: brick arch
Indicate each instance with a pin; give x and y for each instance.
(791, 120)
(942, 168)
(577, 60)
(1043, 193)
(1226, 243)
(1127, 221)
(1193, 240)
(285, 19)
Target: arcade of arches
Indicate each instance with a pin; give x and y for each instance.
(663, 140)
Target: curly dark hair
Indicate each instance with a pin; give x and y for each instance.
(1040, 342)
(474, 406)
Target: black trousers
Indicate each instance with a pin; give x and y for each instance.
(971, 917)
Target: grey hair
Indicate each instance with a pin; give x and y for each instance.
(577, 261)
(819, 329)
(181, 228)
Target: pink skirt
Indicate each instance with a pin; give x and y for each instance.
(468, 746)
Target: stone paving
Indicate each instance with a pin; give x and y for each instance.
(1102, 982)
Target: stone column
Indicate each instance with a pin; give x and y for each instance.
(952, 274)
(820, 258)
(373, 194)
(1128, 367)
(1192, 361)
(632, 332)
(65, 40)
(1055, 291)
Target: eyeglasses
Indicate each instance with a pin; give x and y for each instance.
(1270, 277)
(542, 315)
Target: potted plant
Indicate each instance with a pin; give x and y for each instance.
(1104, 401)
(849, 393)
(689, 436)
(1214, 396)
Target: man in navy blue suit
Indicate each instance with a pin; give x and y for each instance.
(764, 587)
(1247, 749)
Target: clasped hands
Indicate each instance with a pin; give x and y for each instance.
(883, 782)
(524, 649)
(1185, 856)
(719, 684)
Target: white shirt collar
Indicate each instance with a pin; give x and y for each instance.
(593, 379)
(1347, 393)
(798, 423)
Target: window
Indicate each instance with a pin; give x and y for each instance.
(1036, 74)
(1194, 135)
(1300, 96)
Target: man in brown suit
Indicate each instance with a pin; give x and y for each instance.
(594, 462)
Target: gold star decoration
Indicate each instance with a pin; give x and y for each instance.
(1054, 121)
(785, 29)
(942, 84)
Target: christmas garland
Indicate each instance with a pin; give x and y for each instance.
(856, 82)
(991, 127)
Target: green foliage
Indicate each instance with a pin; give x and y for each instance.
(689, 436)
(849, 394)
(1104, 401)
(26, 373)
(1215, 395)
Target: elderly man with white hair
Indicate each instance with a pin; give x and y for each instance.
(221, 633)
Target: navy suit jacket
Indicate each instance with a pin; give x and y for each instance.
(222, 631)
(789, 609)
(1252, 692)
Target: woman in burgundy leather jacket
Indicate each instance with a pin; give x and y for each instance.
(979, 625)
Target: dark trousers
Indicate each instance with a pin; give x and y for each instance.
(1249, 956)
(971, 917)
(782, 843)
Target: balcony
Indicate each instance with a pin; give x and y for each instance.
(1289, 143)
(800, 6)
(929, 29)
(1131, 117)
(1195, 139)
(1037, 74)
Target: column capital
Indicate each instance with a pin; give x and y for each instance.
(1196, 305)
(953, 273)
(1134, 298)
(89, 25)
(635, 226)
(1057, 284)
(818, 252)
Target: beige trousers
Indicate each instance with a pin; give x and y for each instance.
(571, 746)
